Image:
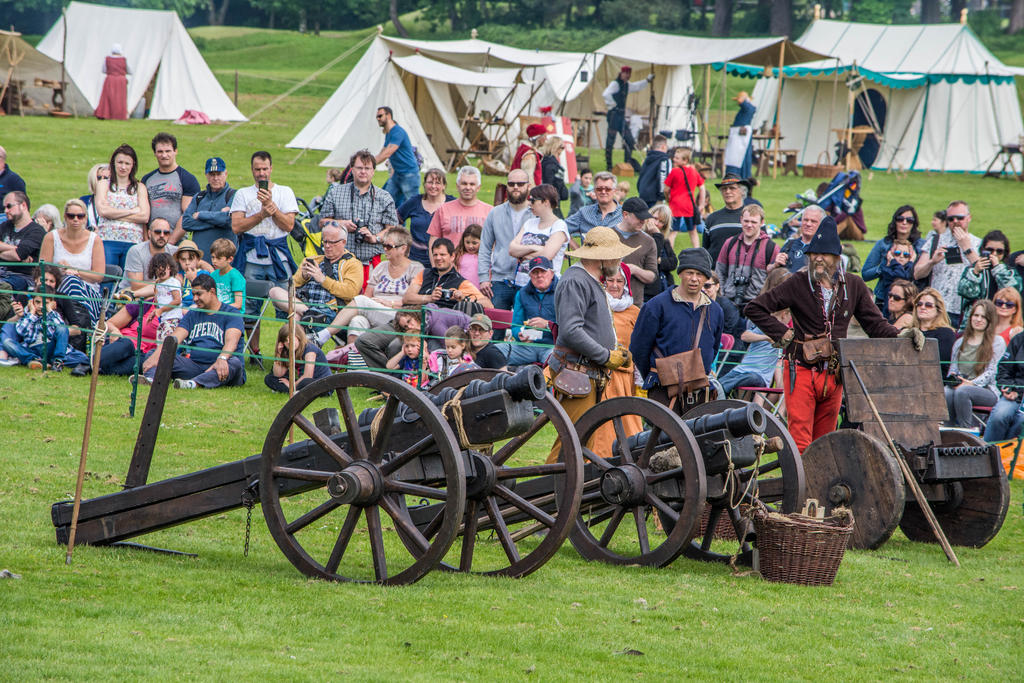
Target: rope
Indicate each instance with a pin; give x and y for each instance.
(455, 405)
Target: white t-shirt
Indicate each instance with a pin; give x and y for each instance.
(165, 297)
(533, 234)
(245, 201)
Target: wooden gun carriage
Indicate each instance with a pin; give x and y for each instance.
(961, 476)
(385, 496)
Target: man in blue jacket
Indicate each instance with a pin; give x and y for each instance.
(533, 309)
(650, 184)
(667, 324)
(208, 216)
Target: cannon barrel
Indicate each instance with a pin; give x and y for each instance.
(750, 419)
(525, 385)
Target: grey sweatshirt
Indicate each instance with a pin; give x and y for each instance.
(584, 320)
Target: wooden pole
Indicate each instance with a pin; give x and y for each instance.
(291, 350)
(707, 112)
(908, 476)
(850, 98)
(97, 346)
(778, 109)
(653, 109)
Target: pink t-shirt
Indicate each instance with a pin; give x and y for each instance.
(467, 268)
(452, 218)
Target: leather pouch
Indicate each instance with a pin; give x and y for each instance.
(572, 383)
(816, 349)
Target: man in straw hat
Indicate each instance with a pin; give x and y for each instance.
(739, 153)
(586, 349)
(676, 321)
(822, 299)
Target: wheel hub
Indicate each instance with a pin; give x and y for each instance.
(358, 484)
(840, 493)
(483, 478)
(624, 485)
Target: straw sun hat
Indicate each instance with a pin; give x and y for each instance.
(600, 244)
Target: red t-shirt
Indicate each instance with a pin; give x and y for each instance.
(679, 199)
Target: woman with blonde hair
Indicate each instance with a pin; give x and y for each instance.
(931, 318)
(79, 252)
(551, 171)
(659, 227)
(972, 371)
(1008, 321)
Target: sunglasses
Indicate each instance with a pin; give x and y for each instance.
(513, 183)
(901, 253)
(604, 189)
(925, 304)
(334, 241)
(10, 206)
(160, 232)
(708, 285)
(997, 250)
(388, 247)
(955, 218)
(904, 219)
(897, 297)
(74, 216)
(1002, 303)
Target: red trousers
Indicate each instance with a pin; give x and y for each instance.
(374, 262)
(812, 404)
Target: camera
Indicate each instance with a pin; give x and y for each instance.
(954, 255)
(740, 281)
(360, 224)
(447, 294)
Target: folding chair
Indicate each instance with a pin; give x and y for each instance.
(501, 319)
(256, 289)
(109, 283)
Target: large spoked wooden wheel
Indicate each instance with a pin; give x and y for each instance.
(974, 512)
(621, 494)
(330, 502)
(519, 510)
(777, 481)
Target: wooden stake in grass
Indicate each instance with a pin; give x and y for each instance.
(908, 475)
(291, 350)
(97, 346)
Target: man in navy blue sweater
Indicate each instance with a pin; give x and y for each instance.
(668, 323)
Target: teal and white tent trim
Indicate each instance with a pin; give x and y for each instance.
(943, 102)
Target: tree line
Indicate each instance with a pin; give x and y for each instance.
(455, 17)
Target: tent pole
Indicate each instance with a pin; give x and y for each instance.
(995, 111)
(831, 109)
(723, 126)
(849, 120)
(707, 109)
(653, 110)
(778, 109)
(579, 67)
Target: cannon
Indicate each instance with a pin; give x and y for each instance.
(454, 479)
(960, 475)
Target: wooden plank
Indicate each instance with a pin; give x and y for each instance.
(142, 456)
(904, 383)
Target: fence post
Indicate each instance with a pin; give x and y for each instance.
(138, 358)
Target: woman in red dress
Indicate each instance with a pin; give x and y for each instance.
(114, 98)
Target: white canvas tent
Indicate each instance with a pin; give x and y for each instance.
(943, 101)
(669, 58)
(426, 95)
(21, 62)
(155, 44)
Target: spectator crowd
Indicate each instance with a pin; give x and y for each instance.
(408, 279)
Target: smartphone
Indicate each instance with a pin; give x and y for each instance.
(263, 184)
(954, 256)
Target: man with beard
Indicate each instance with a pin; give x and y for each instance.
(495, 266)
(586, 334)
(822, 299)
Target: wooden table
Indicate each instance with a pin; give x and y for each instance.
(857, 135)
(1005, 155)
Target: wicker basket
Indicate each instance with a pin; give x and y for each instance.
(821, 170)
(800, 549)
(723, 529)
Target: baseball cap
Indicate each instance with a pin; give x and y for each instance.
(541, 262)
(637, 207)
(481, 320)
(215, 165)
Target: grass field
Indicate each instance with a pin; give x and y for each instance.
(901, 612)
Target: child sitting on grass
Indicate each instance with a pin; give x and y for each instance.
(454, 357)
(25, 342)
(162, 270)
(230, 282)
(408, 361)
(310, 361)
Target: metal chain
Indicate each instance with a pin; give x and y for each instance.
(248, 502)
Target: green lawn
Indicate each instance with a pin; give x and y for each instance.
(899, 612)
